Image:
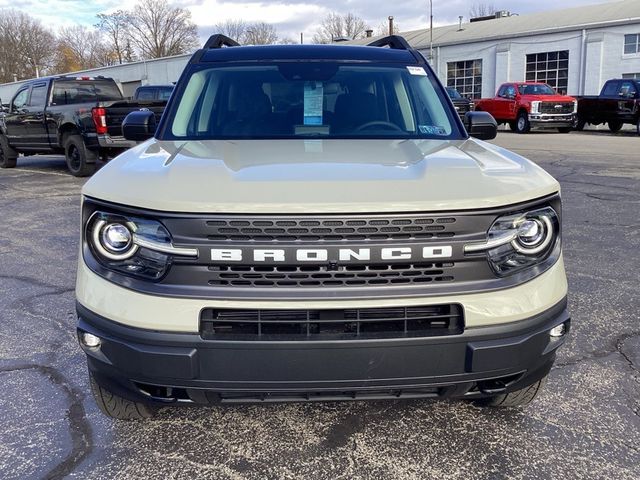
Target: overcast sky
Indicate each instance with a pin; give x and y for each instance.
(289, 16)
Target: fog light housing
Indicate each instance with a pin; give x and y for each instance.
(90, 340)
(558, 331)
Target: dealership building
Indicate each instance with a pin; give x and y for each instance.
(574, 50)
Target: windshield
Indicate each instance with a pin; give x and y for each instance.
(537, 89)
(309, 99)
(453, 93)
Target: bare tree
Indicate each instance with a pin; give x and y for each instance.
(115, 26)
(26, 47)
(158, 29)
(81, 48)
(234, 28)
(480, 9)
(261, 33)
(335, 26)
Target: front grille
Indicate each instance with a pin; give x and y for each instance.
(550, 108)
(323, 276)
(327, 229)
(347, 324)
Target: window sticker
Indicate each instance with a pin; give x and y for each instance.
(417, 71)
(313, 96)
(432, 130)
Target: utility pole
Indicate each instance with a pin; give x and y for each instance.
(431, 30)
(301, 38)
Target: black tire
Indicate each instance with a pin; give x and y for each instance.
(519, 398)
(522, 123)
(564, 129)
(8, 156)
(580, 124)
(117, 407)
(614, 125)
(513, 126)
(638, 126)
(81, 161)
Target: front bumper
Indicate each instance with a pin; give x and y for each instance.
(545, 120)
(174, 368)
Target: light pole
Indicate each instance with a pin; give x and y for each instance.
(431, 30)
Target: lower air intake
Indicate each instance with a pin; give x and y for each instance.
(347, 324)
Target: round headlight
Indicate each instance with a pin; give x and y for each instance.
(531, 233)
(116, 237)
(534, 235)
(113, 241)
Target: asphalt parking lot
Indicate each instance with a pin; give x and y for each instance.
(586, 425)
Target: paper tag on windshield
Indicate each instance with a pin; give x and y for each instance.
(313, 95)
(417, 71)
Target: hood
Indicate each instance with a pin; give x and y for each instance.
(318, 176)
(547, 98)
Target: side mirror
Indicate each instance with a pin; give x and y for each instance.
(481, 125)
(139, 126)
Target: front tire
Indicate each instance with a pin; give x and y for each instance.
(615, 126)
(8, 156)
(519, 398)
(118, 407)
(564, 129)
(81, 161)
(522, 123)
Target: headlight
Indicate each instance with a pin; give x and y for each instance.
(519, 241)
(535, 107)
(133, 246)
(575, 106)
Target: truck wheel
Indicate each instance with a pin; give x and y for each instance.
(638, 126)
(81, 161)
(117, 407)
(522, 123)
(615, 126)
(580, 124)
(513, 126)
(564, 129)
(8, 156)
(519, 398)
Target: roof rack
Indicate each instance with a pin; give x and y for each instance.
(392, 41)
(219, 41)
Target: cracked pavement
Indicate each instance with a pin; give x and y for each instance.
(585, 425)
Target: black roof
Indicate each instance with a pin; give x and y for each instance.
(391, 49)
(308, 52)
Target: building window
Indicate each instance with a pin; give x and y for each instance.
(631, 76)
(466, 77)
(549, 67)
(632, 43)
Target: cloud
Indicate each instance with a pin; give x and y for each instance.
(289, 16)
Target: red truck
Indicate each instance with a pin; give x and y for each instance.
(527, 105)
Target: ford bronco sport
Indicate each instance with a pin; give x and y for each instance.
(311, 223)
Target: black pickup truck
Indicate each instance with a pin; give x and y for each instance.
(617, 104)
(78, 116)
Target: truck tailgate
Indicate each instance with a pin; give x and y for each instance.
(117, 111)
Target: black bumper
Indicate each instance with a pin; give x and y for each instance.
(166, 368)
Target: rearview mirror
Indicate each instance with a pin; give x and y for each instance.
(139, 126)
(481, 125)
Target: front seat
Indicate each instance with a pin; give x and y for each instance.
(355, 109)
(253, 110)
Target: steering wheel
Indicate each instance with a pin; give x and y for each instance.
(378, 123)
